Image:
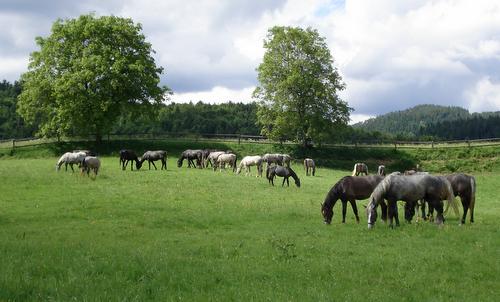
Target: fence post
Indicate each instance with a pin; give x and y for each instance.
(432, 144)
(396, 145)
(468, 143)
(13, 143)
(239, 139)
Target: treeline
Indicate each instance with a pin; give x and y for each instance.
(475, 127)
(411, 122)
(432, 122)
(11, 124)
(190, 118)
(199, 118)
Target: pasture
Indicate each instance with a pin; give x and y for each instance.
(191, 234)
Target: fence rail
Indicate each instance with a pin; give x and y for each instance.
(242, 138)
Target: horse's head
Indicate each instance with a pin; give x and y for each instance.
(327, 212)
(297, 182)
(371, 212)
(179, 162)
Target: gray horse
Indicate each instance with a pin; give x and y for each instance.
(410, 189)
(284, 172)
(152, 156)
(191, 155)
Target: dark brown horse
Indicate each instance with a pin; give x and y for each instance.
(126, 156)
(464, 186)
(350, 188)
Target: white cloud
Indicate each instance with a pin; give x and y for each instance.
(392, 54)
(215, 95)
(485, 96)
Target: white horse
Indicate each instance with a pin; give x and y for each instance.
(249, 161)
(309, 165)
(360, 168)
(91, 163)
(70, 158)
(212, 157)
(224, 159)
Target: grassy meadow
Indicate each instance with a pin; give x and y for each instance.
(198, 235)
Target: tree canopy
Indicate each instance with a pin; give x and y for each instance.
(86, 73)
(298, 87)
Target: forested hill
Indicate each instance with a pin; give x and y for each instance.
(411, 122)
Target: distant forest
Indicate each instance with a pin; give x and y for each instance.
(434, 122)
(423, 122)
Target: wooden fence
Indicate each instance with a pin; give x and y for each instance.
(241, 138)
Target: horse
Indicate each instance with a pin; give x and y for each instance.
(309, 165)
(90, 163)
(381, 170)
(277, 158)
(126, 156)
(70, 158)
(360, 168)
(410, 189)
(223, 159)
(152, 156)
(351, 188)
(284, 172)
(249, 161)
(191, 155)
(412, 171)
(212, 157)
(464, 186)
(286, 160)
(204, 157)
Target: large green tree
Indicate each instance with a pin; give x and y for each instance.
(298, 87)
(86, 73)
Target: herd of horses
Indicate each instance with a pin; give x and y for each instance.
(416, 188)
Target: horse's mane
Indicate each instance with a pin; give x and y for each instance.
(382, 187)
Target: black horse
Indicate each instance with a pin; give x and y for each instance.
(191, 155)
(129, 155)
(351, 188)
(284, 172)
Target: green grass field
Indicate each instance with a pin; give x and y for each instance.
(195, 235)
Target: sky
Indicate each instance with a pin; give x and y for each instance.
(391, 54)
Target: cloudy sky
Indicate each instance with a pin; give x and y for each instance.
(392, 54)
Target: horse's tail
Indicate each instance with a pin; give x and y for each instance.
(472, 195)
(268, 172)
(238, 171)
(354, 170)
(450, 197)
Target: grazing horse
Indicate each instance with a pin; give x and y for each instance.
(70, 158)
(277, 159)
(152, 156)
(212, 157)
(204, 157)
(249, 161)
(360, 168)
(309, 165)
(410, 189)
(191, 155)
(350, 188)
(464, 186)
(286, 160)
(284, 172)
(381, 170)
(126, 156)
(90, 163)
(223, 159)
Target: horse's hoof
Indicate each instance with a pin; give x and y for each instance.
(370, 226)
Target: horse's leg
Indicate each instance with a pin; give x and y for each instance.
(71, 166)
(390, 210)
(284, 178)
(438, 205)
(344, 209)
(395, 213)
(154, 164)
(383, 209)
(465, 205)
(287, 182)
(354, 209)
